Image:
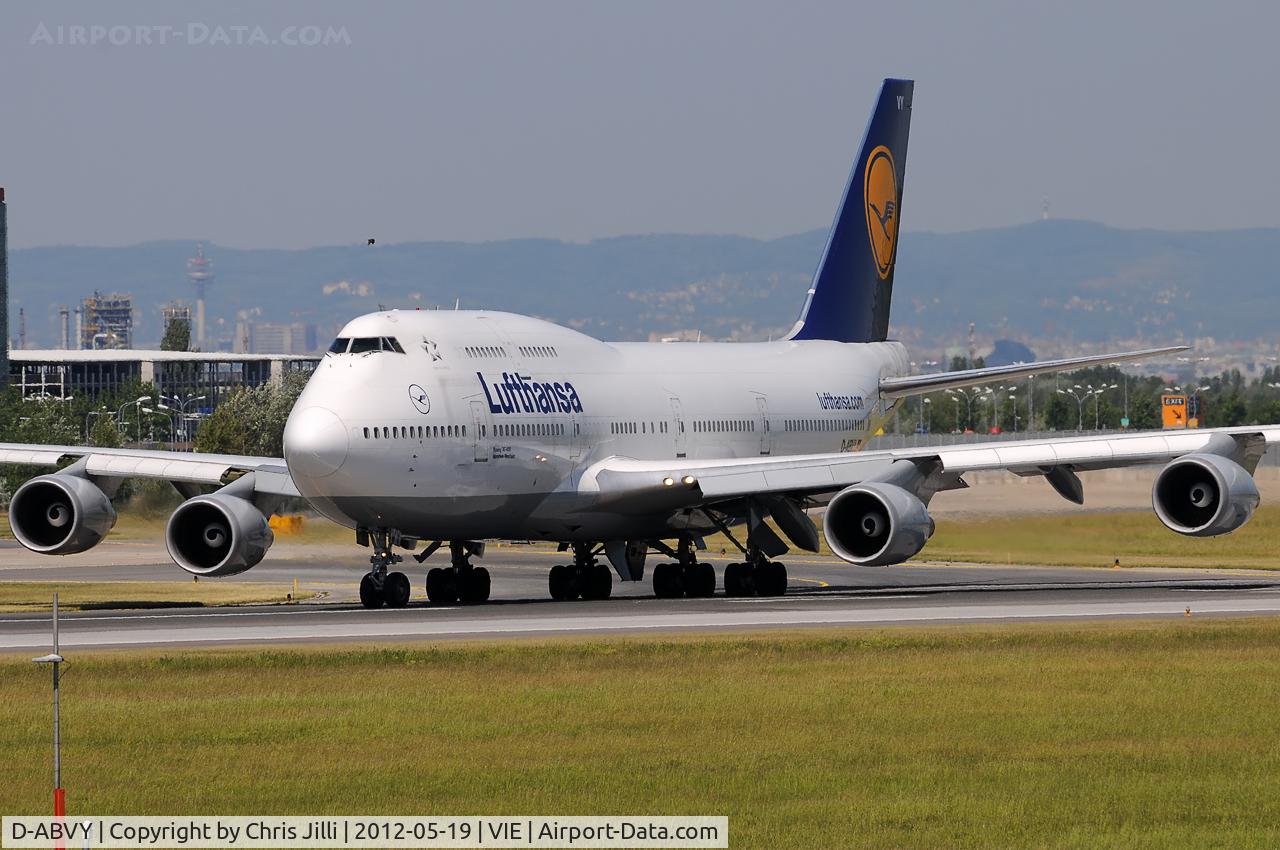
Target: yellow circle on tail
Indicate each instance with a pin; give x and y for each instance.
(880, 194)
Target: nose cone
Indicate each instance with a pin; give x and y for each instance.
(315, 442)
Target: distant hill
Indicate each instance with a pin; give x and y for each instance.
(1062, 279)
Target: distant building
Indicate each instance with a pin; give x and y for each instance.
(90, 374)
(275, 338)
(106, 321)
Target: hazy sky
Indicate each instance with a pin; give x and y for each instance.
(477, 121)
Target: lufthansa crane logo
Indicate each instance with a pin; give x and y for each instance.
(419, 397)
(880, 192)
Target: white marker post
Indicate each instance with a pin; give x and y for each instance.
(59, 796)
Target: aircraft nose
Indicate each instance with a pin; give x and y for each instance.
(315, 442)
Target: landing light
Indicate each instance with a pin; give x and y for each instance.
(689, 480)
(668, 481)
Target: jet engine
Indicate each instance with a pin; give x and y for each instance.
(217, 535)
(60, 514)
(875, 524)
(1203, 495)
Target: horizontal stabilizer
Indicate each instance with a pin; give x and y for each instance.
(891, 388)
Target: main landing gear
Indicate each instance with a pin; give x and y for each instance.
(685, 577)
(460, 582)
(379, 587)
(585, 577)
(758, 576)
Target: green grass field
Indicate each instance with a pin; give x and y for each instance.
(17, 596)
(1135, 537)
(1107, 735)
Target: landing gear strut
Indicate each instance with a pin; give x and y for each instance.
(585, 577)
(758, 576)
(686, 577)
(379, 587)
(460, 582)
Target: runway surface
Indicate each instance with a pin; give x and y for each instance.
(824, 592)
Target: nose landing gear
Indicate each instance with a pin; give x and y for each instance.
(379, 587)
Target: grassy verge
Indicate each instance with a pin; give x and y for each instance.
(1137, 538)
(16, 596)
(1108, 735)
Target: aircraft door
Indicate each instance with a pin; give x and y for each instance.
(575, 436)
(479, 432)
(762, 423)
(677, 426)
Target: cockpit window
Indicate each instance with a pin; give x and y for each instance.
(366, 345)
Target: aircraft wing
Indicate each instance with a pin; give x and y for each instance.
(912, 385)
(271, 475)
(631, 485)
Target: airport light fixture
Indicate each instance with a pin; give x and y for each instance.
(970, 395)
(1081, 396)
(54, 660)
(182, 429)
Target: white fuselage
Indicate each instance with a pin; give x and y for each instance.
(482, 424)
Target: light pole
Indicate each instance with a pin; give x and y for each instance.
(137, 403)
(1096, 395)
(183, 417)
(1080, 398)
(969, 396)
(55, 660)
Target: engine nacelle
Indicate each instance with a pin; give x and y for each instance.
(217, 535)
(60, 514)
(876, 524)
(1203, 495)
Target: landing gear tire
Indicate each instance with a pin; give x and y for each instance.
(561, 584)
(596, 582)
(395, 590)
(668, 581)
(771, 579)
(441, 587)
(473, 585)
(699, 580)
(738, 580)
(370, 593)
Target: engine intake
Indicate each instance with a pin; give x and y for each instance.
(876, 524)
(1204, 495)
(60, 514)
(217, 535)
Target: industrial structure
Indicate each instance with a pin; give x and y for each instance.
(64, 327)
(106, 321)
(200, 273)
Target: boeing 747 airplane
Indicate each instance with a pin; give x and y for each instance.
(437, 431)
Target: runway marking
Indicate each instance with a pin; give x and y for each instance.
(695, 620)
